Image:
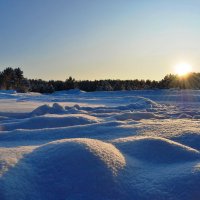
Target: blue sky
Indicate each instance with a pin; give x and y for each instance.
(99, 39)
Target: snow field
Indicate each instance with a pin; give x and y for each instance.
(103, 145)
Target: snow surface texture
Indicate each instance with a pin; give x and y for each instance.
(119, 145)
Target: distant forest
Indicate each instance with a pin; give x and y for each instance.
(13, 79)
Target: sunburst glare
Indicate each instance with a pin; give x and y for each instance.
(183, 69)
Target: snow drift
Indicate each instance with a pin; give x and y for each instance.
(68, 169)
(50, 121)
(46, 109)
(156, 149)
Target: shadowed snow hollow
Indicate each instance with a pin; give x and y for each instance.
(68, 169)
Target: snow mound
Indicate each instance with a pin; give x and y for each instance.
(74, 110)
(70, 169)
(46, 109)
(50, 121)
(57, 109)
(156, 149)
(142, 102)
(137, 116)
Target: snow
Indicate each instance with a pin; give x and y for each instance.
(70, 168)
(101, 145)
(137, 116)
(156, 149)
(49, 121)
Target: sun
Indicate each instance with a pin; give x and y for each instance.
(182, 69)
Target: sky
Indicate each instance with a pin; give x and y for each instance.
(99, 39)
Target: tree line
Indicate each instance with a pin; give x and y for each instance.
(13, 79)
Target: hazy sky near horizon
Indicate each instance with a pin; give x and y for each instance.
(99, 39)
